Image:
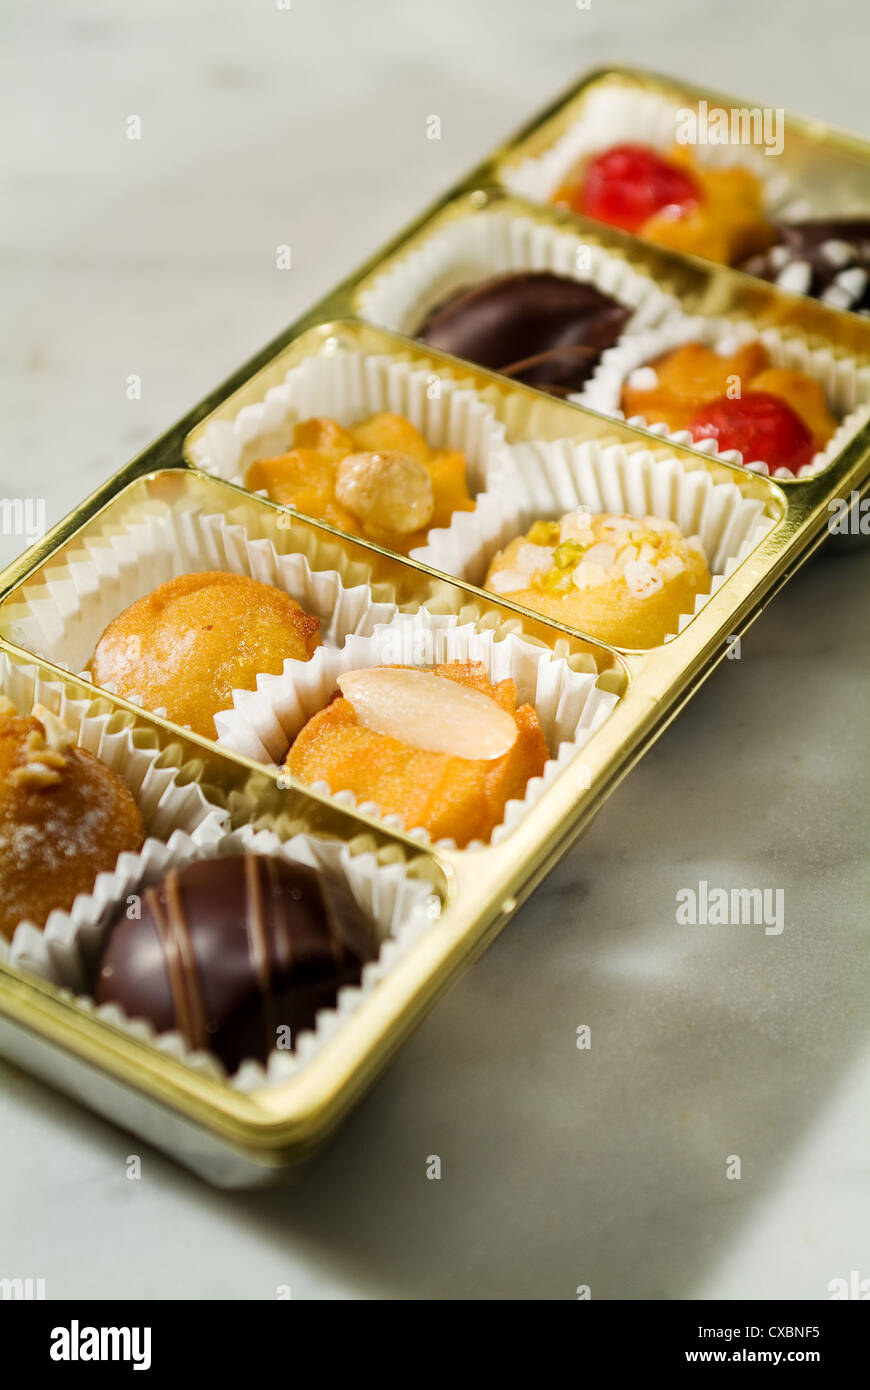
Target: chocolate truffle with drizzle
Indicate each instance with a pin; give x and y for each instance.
(228, 951)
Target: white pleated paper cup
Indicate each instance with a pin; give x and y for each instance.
(174, 808)
(487, 244)
(62, 614)
(348, 386)
(846, 384)
(547, 480)
(614, 115)
(570, 703)
(399, 907)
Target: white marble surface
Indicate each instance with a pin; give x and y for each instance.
(560, 1167)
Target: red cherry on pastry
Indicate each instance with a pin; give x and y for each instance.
(627, 184)
(760, 425)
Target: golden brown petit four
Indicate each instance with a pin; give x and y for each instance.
(673, 200)
(445, 749)
(379, 480)
(187, 645)
(64, 818)
(624, 579)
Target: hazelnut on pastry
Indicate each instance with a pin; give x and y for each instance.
(379, 479)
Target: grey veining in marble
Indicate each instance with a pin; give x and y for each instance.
(561, 1166)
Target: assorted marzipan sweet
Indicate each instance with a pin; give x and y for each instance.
(185, 647)
(770, 414)
(626, 580)
(672, 199)
(378, 479)
(446, 750)
(64, 817)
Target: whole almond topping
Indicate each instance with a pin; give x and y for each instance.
(429, 712)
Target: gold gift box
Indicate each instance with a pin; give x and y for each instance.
(236, 1138)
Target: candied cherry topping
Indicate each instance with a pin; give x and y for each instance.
(628, 184)
(763, 427)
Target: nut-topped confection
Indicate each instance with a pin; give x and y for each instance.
(64, 818)
(624, 579)
(774, 415)
(445, 749)
(378, 479)
(231, 951)
(543, 329)
(185, 647)
(672, 199)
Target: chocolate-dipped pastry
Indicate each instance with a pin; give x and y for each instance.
(543, 329)
(227, 951)
(828, 258)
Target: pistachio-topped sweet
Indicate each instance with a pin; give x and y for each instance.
(622, 578)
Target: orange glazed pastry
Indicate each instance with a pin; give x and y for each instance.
(186, 646)
(379, 480)
(64, 818)
(672, 200)
(444, 749)
(670, 389)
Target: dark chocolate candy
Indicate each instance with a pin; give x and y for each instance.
(828, 258)
(229, 950)
(543, 329)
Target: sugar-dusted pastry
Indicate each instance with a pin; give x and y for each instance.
(379, 479)
(185, 647)
(64, 818)
(543, 329)
(445, 749)
(769, 413)
(673, 200)
(229, 951)
(624, 579)
(826, 257)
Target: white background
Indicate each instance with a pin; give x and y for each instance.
(560, 1167)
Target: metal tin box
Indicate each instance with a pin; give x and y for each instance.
(236, 1137)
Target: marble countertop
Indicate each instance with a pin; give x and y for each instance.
(607, 1167)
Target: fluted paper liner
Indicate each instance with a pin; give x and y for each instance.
(613, 115)
(570, 703)
(175, 813)
(62, 615)
(347, 385)
(476, 247)
(845, 383)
